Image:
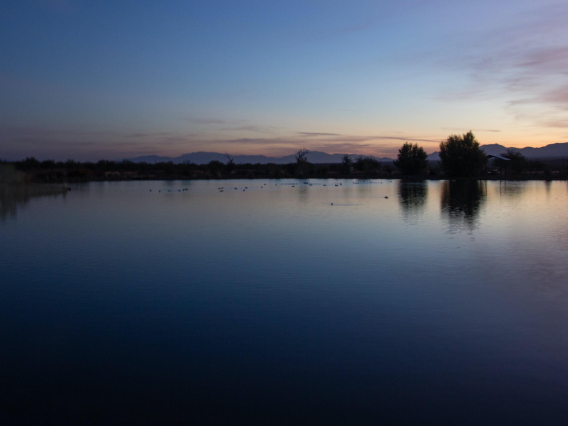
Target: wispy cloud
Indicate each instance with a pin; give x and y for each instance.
(526, 64)
(461, 129)
(92, 145)
(560, 123)
(146, 135)
(312, 134)
(252, 128)
(254, 141)
(343, 147)
(399, 138)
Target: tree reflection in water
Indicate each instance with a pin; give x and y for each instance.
(412, 198)
(13, 197)
(462, 201)
(512, 189)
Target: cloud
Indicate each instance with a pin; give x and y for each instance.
(309, 134)
(149, 135)
(53, 143)
(398, 138)
(461, 129)
(255, 141)
(9, 131)
(561, 123)
(93, 145)
(525, 63)
(558, 97)
(252, 128)
(353, 138)
(343, 147)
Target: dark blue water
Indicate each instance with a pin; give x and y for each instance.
(446, 302)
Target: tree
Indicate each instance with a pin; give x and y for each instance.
(230, 163)
(461, 156)
(301, 156)
(346, 162)
(517, 163)
(367, 164)
(411, 160)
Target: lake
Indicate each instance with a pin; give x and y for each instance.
(286, 303)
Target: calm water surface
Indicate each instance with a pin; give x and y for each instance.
(446, 302)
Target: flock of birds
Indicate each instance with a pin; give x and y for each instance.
(222, 188)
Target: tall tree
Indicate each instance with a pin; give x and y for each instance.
(461, 156)
(412, 159)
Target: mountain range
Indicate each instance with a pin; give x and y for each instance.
(555, 150)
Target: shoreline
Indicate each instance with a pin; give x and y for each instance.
(49, 172)
(397, 177)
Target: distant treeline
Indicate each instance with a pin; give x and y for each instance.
(409, 163)
(73, 171)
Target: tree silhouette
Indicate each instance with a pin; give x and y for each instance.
(301, 156)
(461, 156)
(367, 164)
(346, 162)
(517, 164)
(230, 163)
(411, 159)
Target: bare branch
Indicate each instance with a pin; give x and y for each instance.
(301, 155)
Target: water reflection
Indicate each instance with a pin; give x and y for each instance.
(13, 197)
(412, 198)
(512, 189)
(462, 200)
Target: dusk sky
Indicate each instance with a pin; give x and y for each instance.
(89, 80)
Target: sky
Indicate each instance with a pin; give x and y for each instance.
(90, 80)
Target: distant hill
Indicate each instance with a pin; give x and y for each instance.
(555, 150)
(316, 157)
